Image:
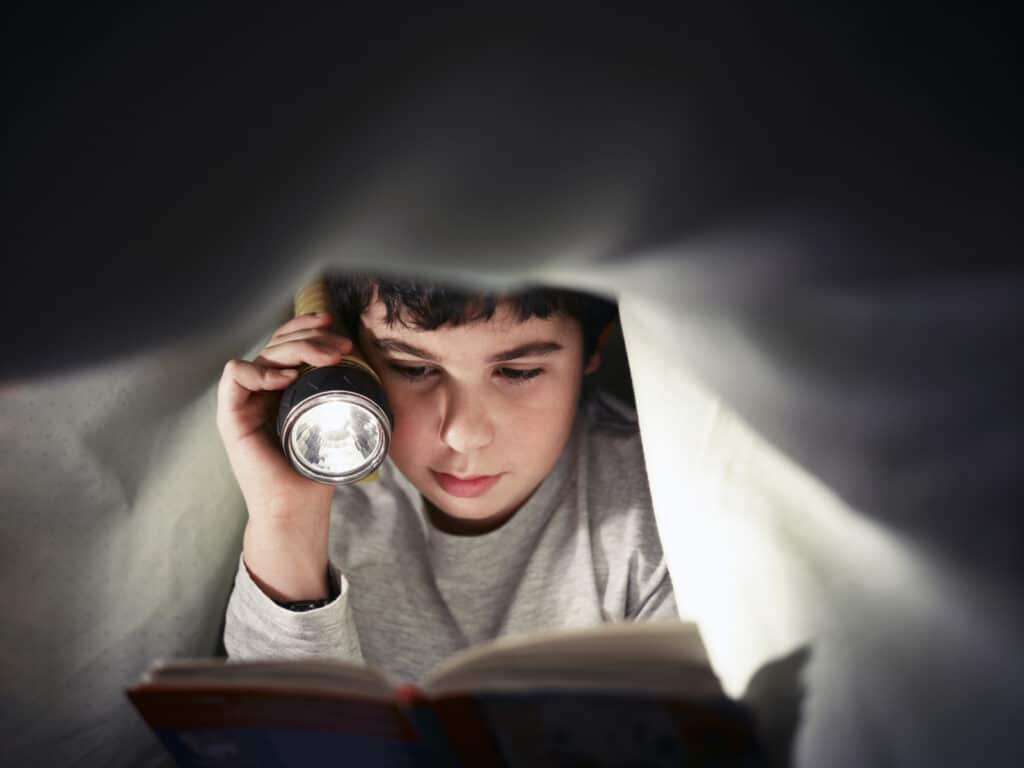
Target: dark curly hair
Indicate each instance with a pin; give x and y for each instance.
(428, 305)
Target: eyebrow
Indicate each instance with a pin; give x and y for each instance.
(531, 349)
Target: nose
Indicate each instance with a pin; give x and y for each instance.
(466, 425)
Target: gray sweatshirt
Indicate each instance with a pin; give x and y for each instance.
(582, 550)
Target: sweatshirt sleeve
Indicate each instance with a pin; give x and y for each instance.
(657, 600)
(257, 628)
(638, 584)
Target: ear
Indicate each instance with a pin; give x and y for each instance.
(595, 358)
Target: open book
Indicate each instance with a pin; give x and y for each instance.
(620, 694)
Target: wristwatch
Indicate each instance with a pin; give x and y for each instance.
(305, 605)
(300, 606)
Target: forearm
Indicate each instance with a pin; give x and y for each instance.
(256, 627)
(287, 557)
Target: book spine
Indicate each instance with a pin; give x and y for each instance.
(462, 721)
(433, 740)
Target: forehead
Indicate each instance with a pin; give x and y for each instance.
(503, 328)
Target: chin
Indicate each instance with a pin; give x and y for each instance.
(465, 509)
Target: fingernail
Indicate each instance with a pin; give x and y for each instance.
(289, 373)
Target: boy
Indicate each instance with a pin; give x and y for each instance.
(508, 503)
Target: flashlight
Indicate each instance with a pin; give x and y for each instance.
(334, 422)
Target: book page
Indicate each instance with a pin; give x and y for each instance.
(653, 657)
(307, 675)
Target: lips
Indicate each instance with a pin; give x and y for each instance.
(465, 487)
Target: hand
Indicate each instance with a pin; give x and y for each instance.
(286, 538)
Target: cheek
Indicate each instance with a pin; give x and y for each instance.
(543, 435)
(538, 430)
(415, 425)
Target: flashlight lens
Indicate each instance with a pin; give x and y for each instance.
(337, 438)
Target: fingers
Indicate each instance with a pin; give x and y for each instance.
(241, 378)
(306, 339)
(304, 322)
(315, 352)
(341, 342)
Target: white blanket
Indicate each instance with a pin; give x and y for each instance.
(819, 315)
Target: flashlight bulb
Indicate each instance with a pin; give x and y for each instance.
(336, 438)
(335, 423)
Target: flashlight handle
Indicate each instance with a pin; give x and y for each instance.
(315, 297)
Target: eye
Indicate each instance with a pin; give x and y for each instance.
(519, 375)
(413, 372)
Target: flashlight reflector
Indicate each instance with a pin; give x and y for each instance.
(334, 437)
(332, 424)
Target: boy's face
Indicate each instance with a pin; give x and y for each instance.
(482, 410)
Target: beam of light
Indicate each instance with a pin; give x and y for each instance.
(768, 560)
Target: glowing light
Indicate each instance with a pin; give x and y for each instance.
(336, 437)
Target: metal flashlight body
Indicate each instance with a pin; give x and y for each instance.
(334, 422)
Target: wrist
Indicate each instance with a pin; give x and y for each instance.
(286, 564)
(301, 606)
(284, 583)
(292, 508)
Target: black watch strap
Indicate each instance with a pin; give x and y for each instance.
(300, 606)
(305, 605)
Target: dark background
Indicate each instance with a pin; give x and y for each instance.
(169, 175)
